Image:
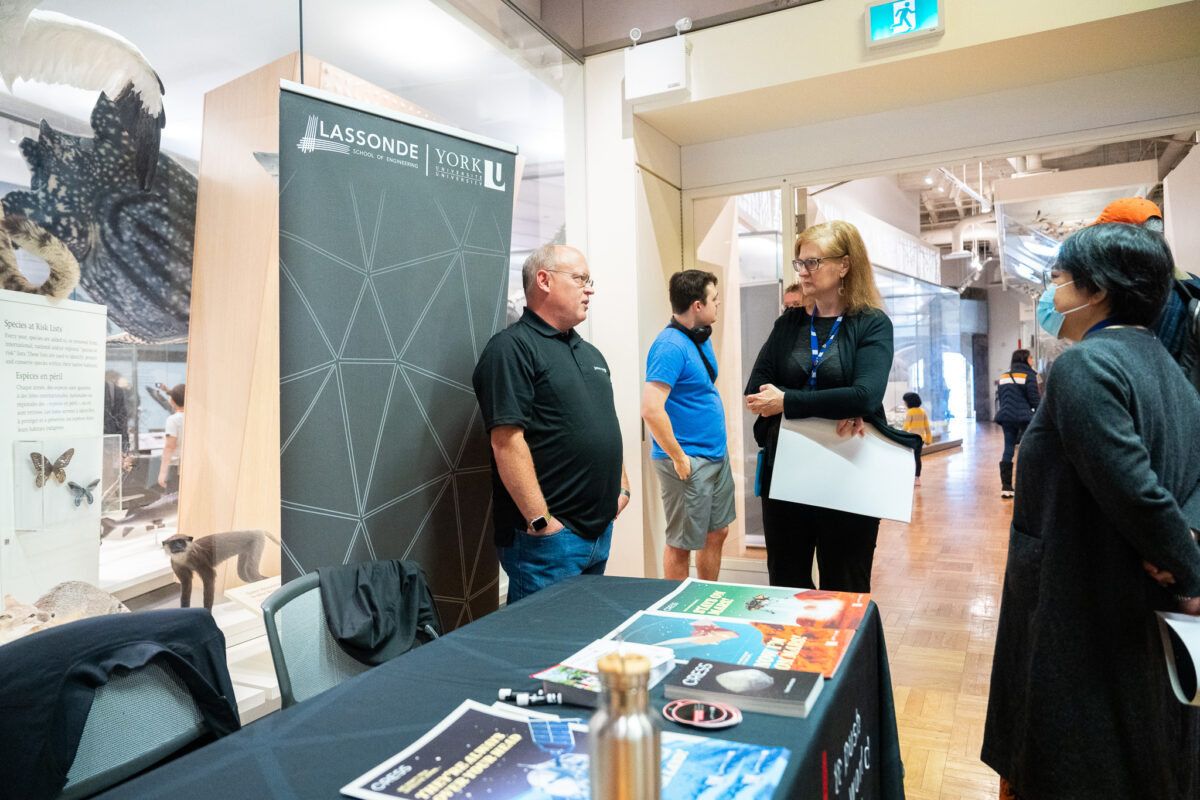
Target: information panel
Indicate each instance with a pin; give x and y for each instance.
(393, 274)
(51, 424)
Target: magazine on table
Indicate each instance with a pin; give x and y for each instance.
(806, 608)
(577, 677)
(788, 693)
(741, 642)
(481, 751)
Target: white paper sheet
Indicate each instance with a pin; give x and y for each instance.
(867, 475)
(1187, 628)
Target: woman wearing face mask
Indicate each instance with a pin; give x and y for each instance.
(1107, 485)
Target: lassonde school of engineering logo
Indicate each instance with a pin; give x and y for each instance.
(445, 164)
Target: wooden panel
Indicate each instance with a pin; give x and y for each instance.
(234, 318)
(230, 470)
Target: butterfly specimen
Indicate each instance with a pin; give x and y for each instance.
(83, 491)
(44, 469)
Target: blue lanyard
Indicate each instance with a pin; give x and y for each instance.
(818, 354)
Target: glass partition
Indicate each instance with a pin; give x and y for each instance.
(930, 357)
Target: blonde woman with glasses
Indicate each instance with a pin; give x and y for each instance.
(833, 363)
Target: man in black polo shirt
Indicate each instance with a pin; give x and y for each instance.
(558, 479)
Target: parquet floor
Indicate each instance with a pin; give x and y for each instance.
(937, 582)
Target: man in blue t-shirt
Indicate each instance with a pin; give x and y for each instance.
(683, 411)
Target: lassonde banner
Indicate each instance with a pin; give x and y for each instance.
(393, 262)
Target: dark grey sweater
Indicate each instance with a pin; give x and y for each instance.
(1108, 477)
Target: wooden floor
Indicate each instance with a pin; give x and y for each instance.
(937, 582)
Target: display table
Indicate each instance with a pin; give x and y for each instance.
(847, 747)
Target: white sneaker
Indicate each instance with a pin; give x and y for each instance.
(1006, 493)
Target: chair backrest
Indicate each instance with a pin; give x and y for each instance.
(307, 658)
(137, 719)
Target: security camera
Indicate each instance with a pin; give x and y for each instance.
(683, 25)
(635, 34)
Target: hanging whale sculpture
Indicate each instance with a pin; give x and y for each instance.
(134, 247)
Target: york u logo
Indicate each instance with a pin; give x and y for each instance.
(493, 175)
(491, 171)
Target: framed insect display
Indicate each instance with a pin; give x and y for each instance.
(55, 481)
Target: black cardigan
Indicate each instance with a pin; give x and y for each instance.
(864, 347)
(1109, 477)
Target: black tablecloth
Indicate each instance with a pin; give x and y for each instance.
(847, 747)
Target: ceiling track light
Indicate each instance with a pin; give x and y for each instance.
(984, 203)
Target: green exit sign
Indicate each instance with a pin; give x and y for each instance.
(902, 20)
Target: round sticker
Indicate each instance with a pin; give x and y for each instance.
(699, 714)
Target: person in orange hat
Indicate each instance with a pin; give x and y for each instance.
(1134, 211)
(1178, 326)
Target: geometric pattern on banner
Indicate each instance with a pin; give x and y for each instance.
(386, 299)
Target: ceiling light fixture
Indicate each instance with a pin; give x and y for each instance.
(985, 204)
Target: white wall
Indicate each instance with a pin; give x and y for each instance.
(1153, 100)
(827, 38)
(1004, 330)
(659, 229)
(882, 198)
(1181, 203)
(632, 235)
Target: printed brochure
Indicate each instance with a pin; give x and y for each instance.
(480, 751)
(806, 608)
(742, 642)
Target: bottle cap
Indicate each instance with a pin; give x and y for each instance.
(624, 670)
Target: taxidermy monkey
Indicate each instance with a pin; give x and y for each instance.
(201, 556)
(64, 269)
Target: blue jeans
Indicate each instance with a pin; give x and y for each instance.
(535, 562)
(1013, 431)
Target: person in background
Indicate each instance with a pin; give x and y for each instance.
(832, 363)
(1080, 704)
(1016, 400)
(793, 297)
(558, 475)
(1178, 326)
(917, 421)
(683, 411)
(168, 471)
(116, 407)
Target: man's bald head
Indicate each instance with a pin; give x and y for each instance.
(548, 256)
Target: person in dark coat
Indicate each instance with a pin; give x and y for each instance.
(1016, 400)
(833, 364)
(1178, 326)
(1108, 489)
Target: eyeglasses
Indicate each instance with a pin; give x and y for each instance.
(811, 265)
(580, 280)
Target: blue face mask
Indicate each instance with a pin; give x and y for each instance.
(1050, 318)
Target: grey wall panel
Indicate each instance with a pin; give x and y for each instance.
(393, 275)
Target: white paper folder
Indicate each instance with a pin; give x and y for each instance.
(867, 475)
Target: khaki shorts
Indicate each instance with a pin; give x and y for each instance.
(699, 505)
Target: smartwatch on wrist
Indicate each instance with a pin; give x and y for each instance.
(538, 524)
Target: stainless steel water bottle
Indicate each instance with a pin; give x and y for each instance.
(623, 739)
